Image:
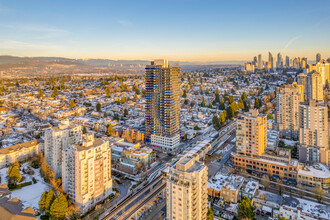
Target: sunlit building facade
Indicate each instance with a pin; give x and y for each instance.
(162, 110)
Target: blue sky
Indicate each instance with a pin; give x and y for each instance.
(195, 30)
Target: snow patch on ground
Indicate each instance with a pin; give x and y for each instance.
(30, 195)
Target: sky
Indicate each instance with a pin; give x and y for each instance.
(179, 30)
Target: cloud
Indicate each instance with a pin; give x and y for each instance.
(125, 23)
(291, 42)
(20, 45)
(42, 32)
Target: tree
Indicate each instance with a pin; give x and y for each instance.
(244, 96)
(231, 99)
(107, 92)
(186, 102)
(59, 207)
(109, 129)
(203, 102)
(246, 106)
(49, 199)
(230, 112)
(241, 104)
(283, 218)
(84, 130)
(98, 107)
(270, 116)
(14, 175)
(184, 94)
(209, 214)
(55, 93)
(215, 122)
(257, 103)
(222, 104)
(222, 118)
(245, 209)
(123, 100)
(41, 94)
(42, 201)
(125, 112)
(210, 105)
(72, 104)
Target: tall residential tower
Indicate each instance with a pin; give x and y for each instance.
(162, 110)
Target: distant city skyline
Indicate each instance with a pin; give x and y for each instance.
(180, 31)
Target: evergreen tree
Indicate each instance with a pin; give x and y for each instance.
(203, 103)
(55, 92)
(186, 101)
(184, 94)
(216, 123)
(41, 94)
(270, 116)
(84, 130)
(42, 201)
(222, 118)
(72, 104)
(49, 199)
(123, 100)
(109, 130)
(210, 105)
(230, 112)
(222, 104)
(231, 99)
(98, 107)
(245, 209)
(241, 104)
(257, 103)
(107, 92)
(59, 207)
(246, 106)
(125, 112)
(244, 96)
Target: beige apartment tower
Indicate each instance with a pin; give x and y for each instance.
(313, 131)
(58, 139)
(288, 98)
(251, 133)
(86, 172)
(186, 190)
(314, 86)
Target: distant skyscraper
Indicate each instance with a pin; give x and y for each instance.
(288, 98)
(260, 64)
(313, 131)
(314, 88)
(271, 60)
(186, 190)
(255, 62)
(247, 124)
(318, 57)
(162, 110)
(323, 69)
(279, 61)
(287, 62)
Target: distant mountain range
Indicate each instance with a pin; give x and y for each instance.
(6, 59)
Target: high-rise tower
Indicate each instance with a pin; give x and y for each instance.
(318, 57)
(162, 110)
